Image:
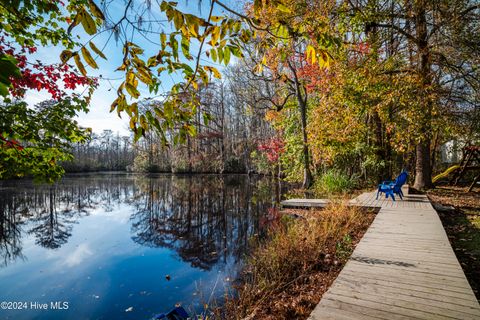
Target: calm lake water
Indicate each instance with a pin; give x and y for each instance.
(118, 246)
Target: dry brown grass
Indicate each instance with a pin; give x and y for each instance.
(286, 275)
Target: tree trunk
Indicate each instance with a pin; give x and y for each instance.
(423, 170)
(307, 174)
(379, 148)
(301, 95)
(423, 173)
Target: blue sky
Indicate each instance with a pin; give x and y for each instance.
(99, 118)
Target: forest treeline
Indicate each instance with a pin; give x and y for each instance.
(229, 127)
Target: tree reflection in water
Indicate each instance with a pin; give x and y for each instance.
(205, 219)
(10, 228)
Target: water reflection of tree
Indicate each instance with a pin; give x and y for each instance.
(50, 212)
(10, 230)
(52, 228)
(204, 219)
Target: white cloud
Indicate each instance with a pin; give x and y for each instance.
(81, 253)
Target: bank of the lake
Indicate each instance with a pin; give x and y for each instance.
(287, 272)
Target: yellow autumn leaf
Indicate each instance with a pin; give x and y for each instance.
(311, 55)
(283, 8)
(144, 76)
(79, 64)
(324, 60)
(214, 71)
(97, 51)
(216, 18)
(215, 35)
(193, 28)
(132, 90)
(96, 10)
(87, 23)
(88, 58)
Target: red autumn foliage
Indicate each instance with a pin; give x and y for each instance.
(272, 148)
(315, 77)
(11, 143)
(39, 76)
(363, 47)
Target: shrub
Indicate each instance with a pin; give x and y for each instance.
(334, 181)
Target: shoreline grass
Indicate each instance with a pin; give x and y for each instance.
(286, 273)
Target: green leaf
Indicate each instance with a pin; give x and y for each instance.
(177, 19)
(174, 46)
(3, 90)
(213, 54)
(236, 51)
(8, 67)
(226, 55)
(144, 76)
(185, 44)
(220, 55)
(163, 40)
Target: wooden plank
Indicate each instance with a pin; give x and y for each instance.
(316, 203)
(336, 314)
(403, 268)
(412, 302)
(422, 286)
(418, 277)
(374, 309)
(447, 303)
(414, 289)
(406, 269)
(305, 203)
(412, 310)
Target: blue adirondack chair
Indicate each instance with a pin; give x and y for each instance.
(390, 188)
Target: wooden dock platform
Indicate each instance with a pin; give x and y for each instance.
(403, 268)
(305, 203)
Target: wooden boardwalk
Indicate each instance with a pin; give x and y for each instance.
(403, 268)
